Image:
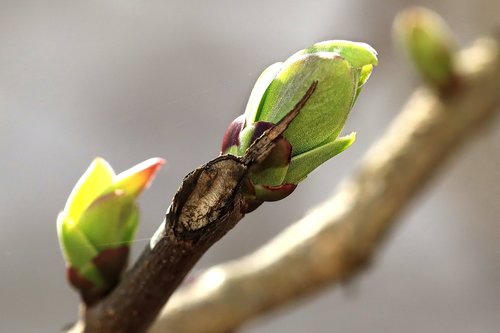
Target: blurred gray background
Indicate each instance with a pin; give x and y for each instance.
(129, 80)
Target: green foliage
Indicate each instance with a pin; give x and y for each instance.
(341, 69)
(426, 38)
(101, 215)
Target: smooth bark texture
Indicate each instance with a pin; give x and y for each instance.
(340, 237)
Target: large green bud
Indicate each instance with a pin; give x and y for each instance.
(341, 68)
(98, 224)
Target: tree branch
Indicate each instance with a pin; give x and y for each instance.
(208, 204)
(338, 238)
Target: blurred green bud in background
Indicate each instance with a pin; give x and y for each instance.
(430, 44)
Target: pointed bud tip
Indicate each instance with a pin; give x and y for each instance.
(139, 177)
(358, 54)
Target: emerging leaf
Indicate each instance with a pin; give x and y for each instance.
(98, 223)
(341, 68)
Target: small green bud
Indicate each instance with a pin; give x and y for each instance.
(430, 44)
(341, 68)
(99, 222)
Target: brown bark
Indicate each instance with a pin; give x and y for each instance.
(208, 204)
(341, 236)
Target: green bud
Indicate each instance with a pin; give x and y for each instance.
(341, 68)
(428, 41)
(99, 222)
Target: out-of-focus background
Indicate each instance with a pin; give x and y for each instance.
(129, 80)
